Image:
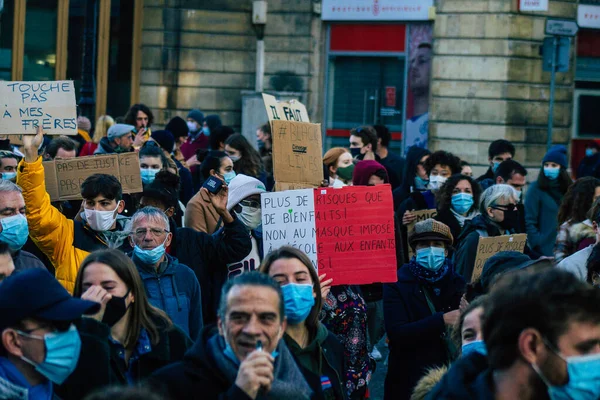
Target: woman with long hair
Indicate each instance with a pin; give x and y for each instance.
(317, 350)
(128, 339)
(100, 130)
(543, 200)
(575, 226)
(338, 161)
(246, 159)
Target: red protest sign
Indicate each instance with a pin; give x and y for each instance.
(355, 234)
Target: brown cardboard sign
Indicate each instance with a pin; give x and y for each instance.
(297, 154)
(421, 215)
(27, 105)
(488, 246)
(64, 177)
(285, 110)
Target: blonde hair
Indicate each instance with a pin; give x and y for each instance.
(102, 124)
(331, 157)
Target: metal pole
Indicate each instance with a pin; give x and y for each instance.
(552, 83)
(260, 65)
(87, 99)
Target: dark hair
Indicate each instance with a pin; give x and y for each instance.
(593, 263)
(501, 146)
(250, 162)
(592, 145)
(547, 301)
(142, 314)
(164, 189)
(266, 128)
(442, 157)
(4, 249)
(210, 160)
(153, 149)
(367, 134)
(61, 142)
(384, 134)
(253, 278)
(444, 195)
(464, 163)
(457, 328)
(288, 252)
(125, 393)
(9, 154)
(131, 116)
(219, 136)
(382, 174)
(506, 170)
(564, 181)
(578, 200)
(102, 184)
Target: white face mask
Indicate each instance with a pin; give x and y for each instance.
(250, 216)
(435, 182)
(101, 221)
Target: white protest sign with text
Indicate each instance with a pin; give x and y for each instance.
(284, 110)
(27, 105)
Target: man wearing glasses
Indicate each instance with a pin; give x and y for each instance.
(171, 286)
(40, 346)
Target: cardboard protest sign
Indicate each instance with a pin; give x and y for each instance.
(27, 105)
(421, 215)
(285, 110)
(488, 246)
(347, 233)
(64, 177)
(297, 154)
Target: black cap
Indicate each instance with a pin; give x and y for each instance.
(34, 293)
(501, 263)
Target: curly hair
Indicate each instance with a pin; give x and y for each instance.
(250, 162)
(578, 200)
(443, 158)
(131, 116)
(444, 195)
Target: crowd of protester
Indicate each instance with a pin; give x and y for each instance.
(169, 294)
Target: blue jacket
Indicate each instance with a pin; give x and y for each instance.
(468, 378)
(541, 219)
(416, 335)
(174, 289)
(14, 386)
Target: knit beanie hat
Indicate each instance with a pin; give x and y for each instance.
(363, 170)
(241, 187)
(165, 139)
(118, 130)
(197, 116)
(84, 123)
(557, 154)
(178, 127)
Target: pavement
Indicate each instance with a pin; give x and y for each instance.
(376, 384)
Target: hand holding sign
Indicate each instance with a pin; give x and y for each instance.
(31, 144)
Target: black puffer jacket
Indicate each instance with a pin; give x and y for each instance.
(469, 378)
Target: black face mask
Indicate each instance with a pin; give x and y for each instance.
(115, 310)
(511, 219)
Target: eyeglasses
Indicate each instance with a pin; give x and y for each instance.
(508, 207)
(141, 233)
(250, 203)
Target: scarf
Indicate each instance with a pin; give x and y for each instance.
(289, 383)
(463, 218)
(427, 276)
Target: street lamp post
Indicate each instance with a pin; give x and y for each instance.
(87, 99)
(259, 20)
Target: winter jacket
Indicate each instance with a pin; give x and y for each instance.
(186, 192)
(489, 174)
(577, 263)
(466, 244)
(14, 385)
(205, 254)
(416, 336)
(104, 147)
(88, 149)
(197, 377)
(541, 213)
(24, 260)
(428, 382)
(174, 288)
(101, 364)
(413, 158)
(589, 166)
(569, 236)
(201, 215)
(65, 242)
(468, 378)
(324, 350)
(394, 165)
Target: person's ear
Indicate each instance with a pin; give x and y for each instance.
(168, 239)
(170, 211)
(11, 342)
(499, 180)
(369, 147)
(378, 142)
(531, 346)
(490, 212)
(282, 328)
(213, 172)
(220, 326)
(121, 206)
(332, 170)
(131, 242)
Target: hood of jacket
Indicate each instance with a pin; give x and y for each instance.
(581, 230)
(104, 147)
(413, 157)
(468, 378)
(426, 384)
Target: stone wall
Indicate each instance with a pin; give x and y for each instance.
(488, 83)
(201, 54)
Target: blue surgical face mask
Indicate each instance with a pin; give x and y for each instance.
(228, 176)
(462, 202)
(206, 130)
(150, 257)
(584, 378)
(148, 175)
(9, 175)
(420, 183)
(298, 300)
(551, 173)
(474, 347)
(589, 152)
(14, 231)
(62, 354)
(495, 165)
(431, 258)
